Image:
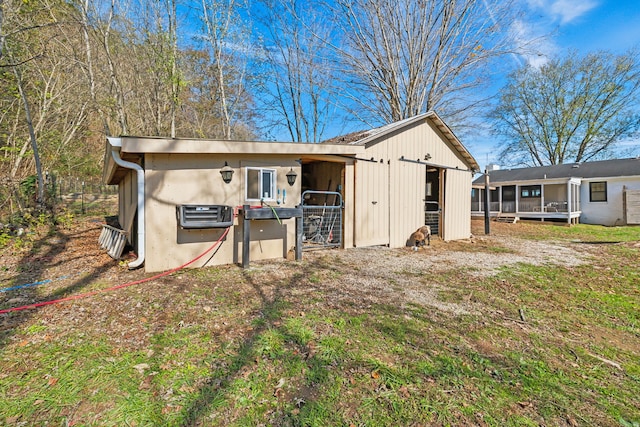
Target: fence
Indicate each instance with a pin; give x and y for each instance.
(61, 187)
(77, 194)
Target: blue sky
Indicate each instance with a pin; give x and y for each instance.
(583, 25)
(589, 25)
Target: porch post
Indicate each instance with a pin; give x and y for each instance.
(487, 195)
(569, 200)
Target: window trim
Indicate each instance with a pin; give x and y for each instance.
(261, 171)
(533, 191)
(603, 192)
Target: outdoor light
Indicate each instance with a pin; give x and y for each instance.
(227, 173)
(427, 156)
(291, 176)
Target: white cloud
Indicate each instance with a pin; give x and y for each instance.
(535, 35)
(532, 43)
(563, 11)
(568, 10)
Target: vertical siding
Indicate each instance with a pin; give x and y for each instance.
(349, 205)
(371, 222)
(128, 202)
(457, 202)
(407, 190)
(406, 186)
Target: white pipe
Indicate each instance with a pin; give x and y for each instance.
(116, 144)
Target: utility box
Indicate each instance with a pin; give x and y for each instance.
(204, 216)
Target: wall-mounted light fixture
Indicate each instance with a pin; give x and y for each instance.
(427, 156)
(227, 173)
(291, 176)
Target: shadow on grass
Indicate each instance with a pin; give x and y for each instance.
(32, 268)
(218, 386)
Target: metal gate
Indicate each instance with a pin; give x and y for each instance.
(432, 213)
(321, 220)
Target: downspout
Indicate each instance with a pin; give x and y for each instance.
(116, 144)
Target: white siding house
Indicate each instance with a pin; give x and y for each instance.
(602, 192)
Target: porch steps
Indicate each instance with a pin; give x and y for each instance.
(506, 218)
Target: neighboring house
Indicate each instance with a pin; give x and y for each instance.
(603, 192)
(364, 189)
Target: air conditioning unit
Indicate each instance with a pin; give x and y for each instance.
(204, 216)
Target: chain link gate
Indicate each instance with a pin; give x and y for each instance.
(321, 223)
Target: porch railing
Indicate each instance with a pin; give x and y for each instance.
(549, 206)
(479, 206)
(523, 206)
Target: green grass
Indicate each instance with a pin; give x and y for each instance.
(220, 346)
(580, 232)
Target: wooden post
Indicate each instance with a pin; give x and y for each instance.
(487, 195)
(246, 236)
(299, 237)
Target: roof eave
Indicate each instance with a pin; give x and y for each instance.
(196, 146)
(442, 127)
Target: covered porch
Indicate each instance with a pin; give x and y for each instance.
(552, 200)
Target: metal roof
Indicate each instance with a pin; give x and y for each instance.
(599, 169)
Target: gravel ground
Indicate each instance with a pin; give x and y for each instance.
(379, 274)
(364, 276)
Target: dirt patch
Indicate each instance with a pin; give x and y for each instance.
(70, 262)
(381, 274)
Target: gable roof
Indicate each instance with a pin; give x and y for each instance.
(369, 137)
(599, 169)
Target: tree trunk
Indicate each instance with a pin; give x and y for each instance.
(32, 137)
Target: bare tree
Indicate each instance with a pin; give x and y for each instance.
(404, 57)
(22, 39)
(116, 86)
(570, 109)
(1, 33)
(298, 88)
(32, 135)
(227, 35)
(175, 80)
(86, 12)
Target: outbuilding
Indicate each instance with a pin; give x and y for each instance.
(262, 200)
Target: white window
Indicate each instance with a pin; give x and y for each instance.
(260, 184)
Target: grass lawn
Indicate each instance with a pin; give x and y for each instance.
(324, 342)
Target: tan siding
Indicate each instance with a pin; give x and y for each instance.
(349, 205)
(174, 179)
(128, 201)
(383, 199)
(407, 206)
(457, 214)
(372, 200)
(406, 189)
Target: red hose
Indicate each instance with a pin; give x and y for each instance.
(113, 288)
